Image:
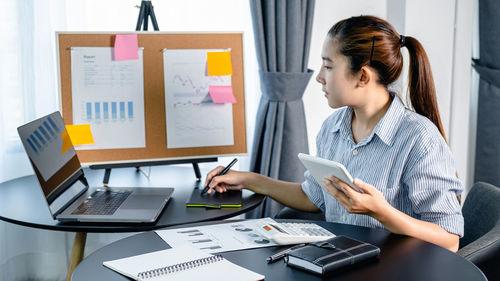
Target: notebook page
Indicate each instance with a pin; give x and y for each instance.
(132, 266)
(219, 270)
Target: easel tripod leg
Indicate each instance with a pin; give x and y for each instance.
(153, 17)
(141, 17)
(76, 252)
(197, 171)
(146, 15)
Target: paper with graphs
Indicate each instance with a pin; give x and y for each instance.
(192, 118)
(109, 95)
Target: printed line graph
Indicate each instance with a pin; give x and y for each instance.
(191, 88)
(184, 101)
(193, 119)
(187, 81)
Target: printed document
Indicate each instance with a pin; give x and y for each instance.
(109, 95)
(217, 238)
(192, 118)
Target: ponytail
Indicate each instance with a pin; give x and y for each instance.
(421, 83)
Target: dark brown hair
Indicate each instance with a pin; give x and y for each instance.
(368, 40)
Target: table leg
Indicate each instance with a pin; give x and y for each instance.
(76, 252)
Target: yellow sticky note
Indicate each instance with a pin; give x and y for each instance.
(219, 63)
(66, 142)
(77, 135)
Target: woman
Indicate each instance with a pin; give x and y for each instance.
(409, 179)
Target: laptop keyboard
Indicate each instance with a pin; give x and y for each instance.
(101, 203)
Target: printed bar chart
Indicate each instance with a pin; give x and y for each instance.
(130, 110)
(113, 110)
(122, 110)
(96, 111)
(105, 110)
(89, 110)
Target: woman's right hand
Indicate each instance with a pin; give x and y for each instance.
(232, 180)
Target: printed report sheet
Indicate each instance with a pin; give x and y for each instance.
(108, 95)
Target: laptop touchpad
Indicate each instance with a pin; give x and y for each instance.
(139, 201)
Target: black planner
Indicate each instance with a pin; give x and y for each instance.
(326, 256)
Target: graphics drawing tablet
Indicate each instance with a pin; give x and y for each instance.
(228, 199)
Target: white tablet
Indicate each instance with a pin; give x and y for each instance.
(323, 168)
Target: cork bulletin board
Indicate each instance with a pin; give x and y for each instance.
(154, 93)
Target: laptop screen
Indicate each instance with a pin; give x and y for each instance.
(56, 165)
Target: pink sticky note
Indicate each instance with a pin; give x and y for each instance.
(222, 94)
(126, 47)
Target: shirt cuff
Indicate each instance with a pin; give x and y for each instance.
(452, 223)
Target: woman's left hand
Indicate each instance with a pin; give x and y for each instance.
(371, 202)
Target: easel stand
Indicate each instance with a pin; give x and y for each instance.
(146, 12)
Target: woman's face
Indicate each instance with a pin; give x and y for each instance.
(338, 82)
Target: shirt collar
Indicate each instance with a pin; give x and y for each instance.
(340, 122)
(343, 124)
(385, 129)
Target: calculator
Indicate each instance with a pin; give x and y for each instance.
(284, 233)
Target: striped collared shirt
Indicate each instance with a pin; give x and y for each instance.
(405, 157)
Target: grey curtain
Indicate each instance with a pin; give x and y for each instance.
(487, 166)
(282, 37)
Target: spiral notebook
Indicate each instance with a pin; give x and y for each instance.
(182, 263)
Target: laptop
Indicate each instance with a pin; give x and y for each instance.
(63, 182)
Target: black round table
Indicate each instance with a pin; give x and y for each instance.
(22, 202)
(401, 258)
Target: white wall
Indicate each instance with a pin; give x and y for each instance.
(473, 100)
(436, 33)
(462, 130)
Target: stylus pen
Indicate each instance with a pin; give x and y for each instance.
(223, 172)
(281, 254)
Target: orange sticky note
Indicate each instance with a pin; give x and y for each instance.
(219, 63)
(126, 47)
(222, 94)
(76, 135)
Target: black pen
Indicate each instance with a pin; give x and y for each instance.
(281, 254)
(223, 172)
